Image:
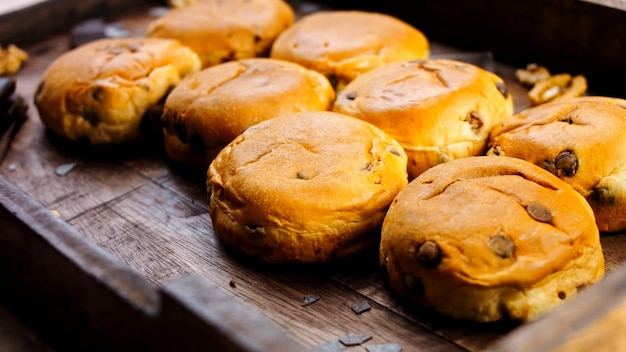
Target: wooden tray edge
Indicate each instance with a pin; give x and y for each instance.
(77, 296)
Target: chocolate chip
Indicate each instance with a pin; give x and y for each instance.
(474, 120)
(232, 55)
(562, 295)
(502, 89)
(361, 306)
(501, 246)
(566, 163)
(351, 96)
(386, 347)
(602, 196)
(567, 118)
(539, 212)
(91, 116)
(232, 284)
(428, 254)
(549, 166)
(354, 339)
(302, 175)
(310, 299)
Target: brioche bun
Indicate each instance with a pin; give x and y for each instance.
(489, 238)
(225, 30)
(305, 187)
(101, 91)
(439, 110)
(210, 108)
(581, 140)
(343, 44)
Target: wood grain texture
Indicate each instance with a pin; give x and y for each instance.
(79, 297)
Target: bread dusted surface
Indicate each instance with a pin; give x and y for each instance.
(345, 44)
(487, 238)
(581, 140)
(439, 110)
(215, 105)
(221, 31)
(101, 90)
(305, 187)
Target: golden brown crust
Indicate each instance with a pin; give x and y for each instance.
(305, 187)
(101, 90)
(209, 109)
(344, 44)
(224, 30)
(581, 140)
(488, 238)
(439, 110)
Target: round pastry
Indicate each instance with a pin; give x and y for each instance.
(103, 91)
(207, 110)
(343, 44)
(488, 238)
(439, 110)
(224, 30)
(305, 187)
(581, 140)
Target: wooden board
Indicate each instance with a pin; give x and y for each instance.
(132, 260)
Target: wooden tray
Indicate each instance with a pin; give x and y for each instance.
(119, 254)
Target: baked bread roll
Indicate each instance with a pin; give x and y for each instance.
(224, 30)
(207, 110)
(103, 91)
(488, 238)
(439, 110)
(305, 187)
(343, 44)
(581, 140)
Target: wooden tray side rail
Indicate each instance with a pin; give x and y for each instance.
(78, 297)
(45, 19)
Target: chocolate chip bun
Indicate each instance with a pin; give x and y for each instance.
(581, 140)
(439, 110)
(224, 30)
(343, 44)
(103, 91)
(488, 238)
(208, 109)
(305, 187)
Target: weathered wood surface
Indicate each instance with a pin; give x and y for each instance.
(151, 216)
(79, 297)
